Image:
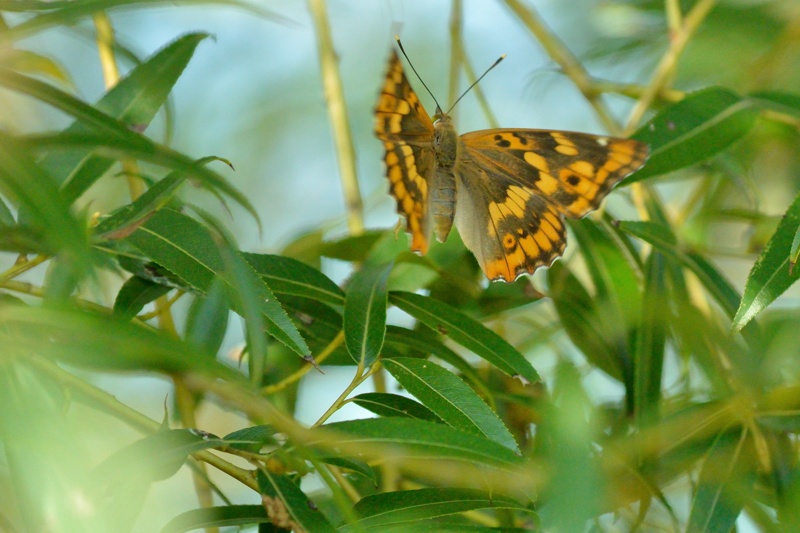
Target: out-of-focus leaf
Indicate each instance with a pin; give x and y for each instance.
(648, 349)
(694, 129)
(449, 398)
(580, 316)
(285, 275)
(365, 314)
(664, 240)
(139, 147)
(102, 343)
(725, 480)
(153, 458)
(22, 180)
(411, 507)
(385, 404)
(772, 273)
(469, 333)
(213, 517)
(778, 100)
(288, 507)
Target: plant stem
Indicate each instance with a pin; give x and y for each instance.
(337, 109)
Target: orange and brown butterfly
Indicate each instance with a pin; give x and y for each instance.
(507, 190)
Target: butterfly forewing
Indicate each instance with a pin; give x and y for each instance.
(407, 134)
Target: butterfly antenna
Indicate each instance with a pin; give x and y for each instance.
(499, 59)
(399, 44)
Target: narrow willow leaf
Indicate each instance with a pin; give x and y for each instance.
(35, 191)
(365, 314)
(661, 237)
(450, 399)
(422, 440)
(466, 331)
(580, 316)
(794, 253)
(725, 481)
(251, 439)
(648, 353)
(102, 343)
(385, 404)
(772, 274)
(782, 102)
(694, 129)
(412, 507)
(207, 319)
(135, 293)
(355, 465)
(353, 247)
(125, 220)
(288, 507)
(139, 147)
(134, 101)
(285, 275)
(252, 298)
(213, 517)
(426, 344)
(153, 458)
(186, 248)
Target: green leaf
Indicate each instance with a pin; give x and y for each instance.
(421, 439)
(725, 481)
(385, 404)
(772, 273)
(139, 147)
(650, 344)
(450, 398)
(580, 316)
(211, 517)
(365, 314)
(135, 293)
(186, 248)
(285, 275)
(662, 238)
(412, 507)
(355, 465)
(782, 102)
(251, 439)
(207, 319)
(49, 214)
(284, 498)
(466, 331)
(134, 101)
(125, 220)
(153, 458)
(701, 125)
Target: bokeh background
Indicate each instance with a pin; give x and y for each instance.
(253, 95)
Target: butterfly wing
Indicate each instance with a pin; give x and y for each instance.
(515, 187)
(406, 131)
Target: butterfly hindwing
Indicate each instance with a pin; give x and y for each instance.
(511, 228)
(520, 184)
(407, 134)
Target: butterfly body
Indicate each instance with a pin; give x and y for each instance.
(506, 190)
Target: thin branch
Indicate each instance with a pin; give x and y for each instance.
(337, 109)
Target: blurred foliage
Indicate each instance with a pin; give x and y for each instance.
(641, 383)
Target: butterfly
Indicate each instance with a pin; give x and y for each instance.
(506, 190)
